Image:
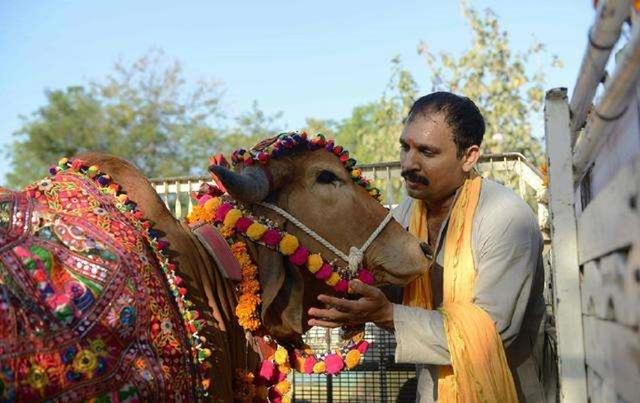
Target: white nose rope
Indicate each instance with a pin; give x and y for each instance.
(354, 259)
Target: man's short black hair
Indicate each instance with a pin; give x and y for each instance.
(460, 113)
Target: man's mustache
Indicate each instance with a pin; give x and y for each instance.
(412, 176)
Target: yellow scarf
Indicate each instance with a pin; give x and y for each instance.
(479, 370)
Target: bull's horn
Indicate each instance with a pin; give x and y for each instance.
(249, 186)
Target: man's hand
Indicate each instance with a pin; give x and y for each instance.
(373, 306)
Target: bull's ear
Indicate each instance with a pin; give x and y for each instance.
(282, 295)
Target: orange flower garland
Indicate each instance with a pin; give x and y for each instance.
(272, 376)
(249, 299)
(270, 383)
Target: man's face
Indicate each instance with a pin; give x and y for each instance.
(430, 166)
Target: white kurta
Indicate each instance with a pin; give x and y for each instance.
(507, 249)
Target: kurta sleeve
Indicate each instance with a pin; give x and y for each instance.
(420, 336)
(507, 247)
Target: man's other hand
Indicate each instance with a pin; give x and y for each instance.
(372, 306)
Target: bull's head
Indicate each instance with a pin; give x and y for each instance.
(315, 187)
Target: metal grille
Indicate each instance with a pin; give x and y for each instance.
(376, 379)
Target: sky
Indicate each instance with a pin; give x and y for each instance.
(303, 58)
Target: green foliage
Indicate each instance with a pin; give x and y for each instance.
(251, 127)
(327, 127)
(67, 123)
(371, 132)
(143, 112)
(496, 78)
(499, 81)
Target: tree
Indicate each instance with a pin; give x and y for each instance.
(250, 127)
(495, 77)
(371, 132)
(68, 122)
(498, 79)
(328, 127)
(144, 112)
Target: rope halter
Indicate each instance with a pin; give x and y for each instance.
(356, 255)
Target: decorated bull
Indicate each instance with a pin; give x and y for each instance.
(107, 299)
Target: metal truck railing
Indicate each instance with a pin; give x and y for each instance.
(511, 169)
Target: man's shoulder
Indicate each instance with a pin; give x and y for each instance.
(495, 195)
(499, 205)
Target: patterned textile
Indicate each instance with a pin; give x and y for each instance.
(86, 312)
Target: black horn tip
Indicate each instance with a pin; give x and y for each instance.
(250, 185)
(217, 168)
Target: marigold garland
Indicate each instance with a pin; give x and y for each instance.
(249, 300)
(232, 221)
(289, 142)
(272, 377)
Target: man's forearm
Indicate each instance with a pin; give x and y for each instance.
(420, 336)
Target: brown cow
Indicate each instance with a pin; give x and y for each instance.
(337, 209)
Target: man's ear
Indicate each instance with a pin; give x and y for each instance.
(470, 158)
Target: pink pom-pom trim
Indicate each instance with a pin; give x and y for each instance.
(342, 285)
(324, 272)
(268, 371)
(363, 346)
(366, 277)
(334, 364)
(309, 362)
(222, 211)
(203, 199)
(271, 237)
(243, 223)
(299, 257)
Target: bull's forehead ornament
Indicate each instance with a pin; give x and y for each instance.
(289, 143)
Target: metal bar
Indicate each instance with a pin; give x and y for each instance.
(329, 377)
(395, 165)
(389, 190)
(501, 162)
(533, 177)
(603, 35)
(178, 206)
(166, 194)
(190, 205)
(566, 273)
(613, 104)
(522, 184)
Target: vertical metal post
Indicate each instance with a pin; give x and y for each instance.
(190, 205)
(178, 208)
(522, 186)
(389, 198)
(382, 368)
(166, 194)
(329, 377)
(566, 273)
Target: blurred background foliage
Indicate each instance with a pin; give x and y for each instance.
(146, 112)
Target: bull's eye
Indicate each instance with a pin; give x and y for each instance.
(327, 177)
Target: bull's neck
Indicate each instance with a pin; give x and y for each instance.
(215, 298)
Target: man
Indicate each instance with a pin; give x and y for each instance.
(470, 323)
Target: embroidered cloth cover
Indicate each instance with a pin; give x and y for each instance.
(85, 310)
